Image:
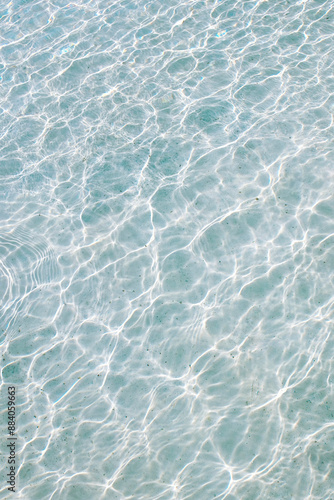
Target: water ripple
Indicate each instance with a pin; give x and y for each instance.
(166, 247)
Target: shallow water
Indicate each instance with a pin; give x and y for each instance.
(166, 248)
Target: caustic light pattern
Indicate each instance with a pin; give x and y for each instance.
(167, 248)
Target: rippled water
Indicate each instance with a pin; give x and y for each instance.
(166, 248)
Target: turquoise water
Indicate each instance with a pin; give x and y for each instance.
(166, 248)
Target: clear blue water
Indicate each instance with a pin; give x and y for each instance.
(166, 248)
